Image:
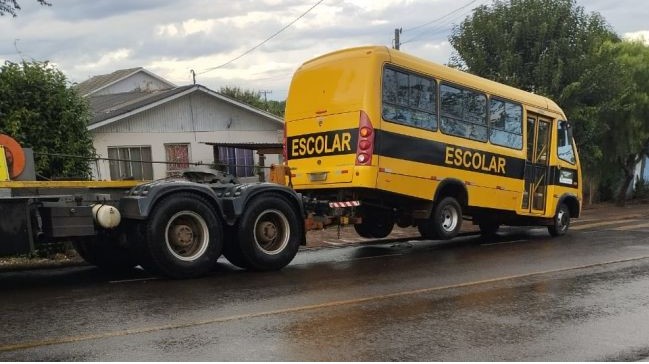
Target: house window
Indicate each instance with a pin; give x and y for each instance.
(130, 163)
(237, 162)
(177, 158)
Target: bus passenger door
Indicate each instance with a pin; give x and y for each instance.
(536, 164)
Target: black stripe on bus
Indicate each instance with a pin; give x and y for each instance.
(420, 150)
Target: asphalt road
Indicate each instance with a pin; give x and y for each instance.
(520, 297)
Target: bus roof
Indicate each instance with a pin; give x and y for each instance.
(452, 75)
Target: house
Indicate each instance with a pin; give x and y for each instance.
(144, 127)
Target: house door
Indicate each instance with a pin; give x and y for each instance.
(536, 164)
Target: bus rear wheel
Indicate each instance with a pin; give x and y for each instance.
(445, 222)
(376, 225)
(488, 228)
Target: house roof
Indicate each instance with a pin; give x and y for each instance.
(111, 108)
(97, 83)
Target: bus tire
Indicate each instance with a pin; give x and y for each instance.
(445, 222)
(561, 221)
(488, 229)
(103, 252)
(375, 225)
(184, 237)
(269, 233)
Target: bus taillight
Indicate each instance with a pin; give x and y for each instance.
(365, 147)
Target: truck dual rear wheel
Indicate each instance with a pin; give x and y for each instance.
(184, 237)
(445, 221)
(268, 235)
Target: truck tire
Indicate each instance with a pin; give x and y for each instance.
(269, 234)
(231, 250)
(104, 252)
(445, 222)
(184, 237)
(561, 221)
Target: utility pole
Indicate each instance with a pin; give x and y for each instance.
(265, 92)
(397, 41)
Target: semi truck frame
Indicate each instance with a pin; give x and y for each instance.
(172, 227)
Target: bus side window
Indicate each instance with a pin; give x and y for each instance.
(506, 121)
(464, 113)
(564, 145)
(409, 99)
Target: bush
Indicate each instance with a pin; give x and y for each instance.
(641, 189)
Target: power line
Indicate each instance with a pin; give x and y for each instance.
(264, 41)
(440, 28)
(441, 17)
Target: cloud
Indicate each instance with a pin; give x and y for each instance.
(86, 38)
(641, 35)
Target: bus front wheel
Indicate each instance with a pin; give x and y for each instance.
(561, 221)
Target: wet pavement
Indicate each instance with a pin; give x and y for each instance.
(522, 296)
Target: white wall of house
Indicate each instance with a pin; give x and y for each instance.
(195, 119)
(140, 81)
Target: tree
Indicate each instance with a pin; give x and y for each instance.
(548, 47)
(11, 6)
(536, 45)
(253, 98)
(625, 116)
(40, 110)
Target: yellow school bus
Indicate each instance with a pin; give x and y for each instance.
(421, 144)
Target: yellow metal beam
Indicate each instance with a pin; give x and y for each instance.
(68, 184)
(4, 168)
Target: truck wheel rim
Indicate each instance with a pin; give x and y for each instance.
(272, 232)
(187, 236)
(450, 218)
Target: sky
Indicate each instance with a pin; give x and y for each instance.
(252, 44)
